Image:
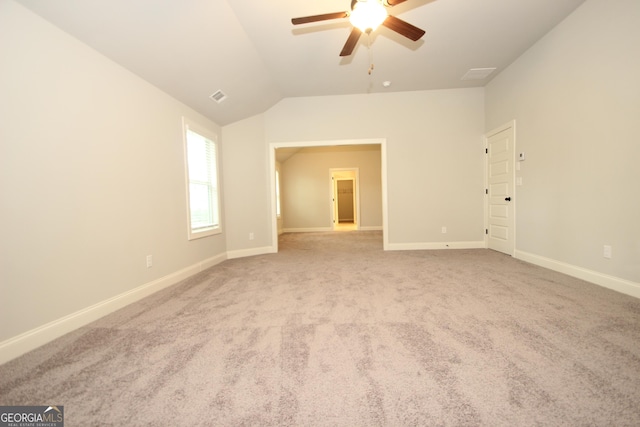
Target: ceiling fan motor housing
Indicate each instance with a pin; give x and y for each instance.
(361, 23)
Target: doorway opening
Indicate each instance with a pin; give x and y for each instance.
(346, 199)
(292, 146)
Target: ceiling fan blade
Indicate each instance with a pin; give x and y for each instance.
(351, 42)
(394, 2)
(403, 28)
(316, 18)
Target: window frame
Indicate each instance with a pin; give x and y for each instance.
(198, 233)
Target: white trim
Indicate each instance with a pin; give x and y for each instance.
(334, 196)
(242, 253)
(27, 341)
(271, 152)
(435, 245)
(272, 146)
(611, 282)
(385, 206)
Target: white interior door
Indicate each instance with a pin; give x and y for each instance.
(500, 179)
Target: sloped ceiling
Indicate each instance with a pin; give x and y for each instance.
(250, 50)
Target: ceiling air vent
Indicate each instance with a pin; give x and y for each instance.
(478, 73)
(218, 96)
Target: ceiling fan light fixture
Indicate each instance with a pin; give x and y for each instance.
(367, 15)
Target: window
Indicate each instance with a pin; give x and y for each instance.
(203, 201)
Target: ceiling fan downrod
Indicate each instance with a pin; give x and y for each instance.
(370, 52)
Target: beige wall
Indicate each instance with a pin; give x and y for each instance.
(91, 178)
(575, 96)
(307, 191)
(247, 189)
(434, 154)
(434, 160)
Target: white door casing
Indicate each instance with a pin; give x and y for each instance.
(500, 147)
(340, 174)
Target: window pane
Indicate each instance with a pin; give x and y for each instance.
(202, 184)
(200, 203)
(199, 157)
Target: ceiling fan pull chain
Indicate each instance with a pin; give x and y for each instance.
(370, 53)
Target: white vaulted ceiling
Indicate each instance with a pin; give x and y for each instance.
(250, 50)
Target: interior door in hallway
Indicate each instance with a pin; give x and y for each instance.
(345, 198)
(500, 160)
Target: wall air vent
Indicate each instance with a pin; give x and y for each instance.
(478, 73)
(218, 96)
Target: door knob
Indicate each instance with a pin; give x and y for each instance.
(508, 199)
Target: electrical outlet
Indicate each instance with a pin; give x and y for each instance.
(607, 252)
(251, 236)
(444, 230)
(149, 261)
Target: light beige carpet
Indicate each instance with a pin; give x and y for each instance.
(333, 331)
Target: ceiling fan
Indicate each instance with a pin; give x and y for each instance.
(366, 16)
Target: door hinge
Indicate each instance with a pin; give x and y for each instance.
(486, 191)
(486, 231)
(486, 151)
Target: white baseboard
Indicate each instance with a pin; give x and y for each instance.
(611, 282)
(241, 253)
(435, 245)
(27, 341)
